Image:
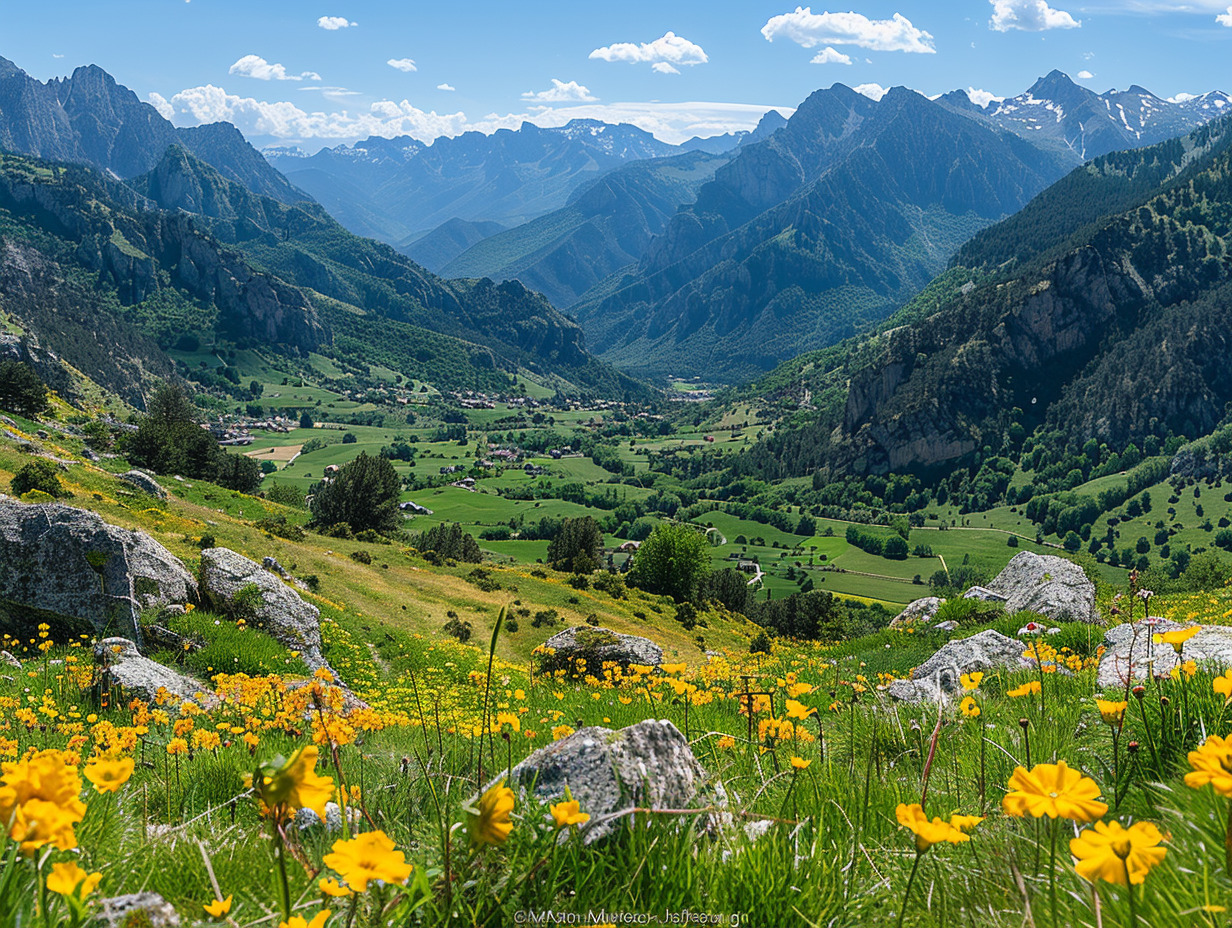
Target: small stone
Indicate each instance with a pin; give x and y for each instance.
(940, 676)
(598, 644)
(138, 910)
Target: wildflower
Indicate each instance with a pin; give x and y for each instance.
(330, 887)
(797, 710)
(1030, 688)
(109, 775)
(370, 856)
(971, 681)
(1212, 763)
(1114, 854)
(726, 743)
(800, 763)
(489, 823)
(294, 784)
(1177, 637)
(39, 800)
(1223, 686)
(65, 877)
(177, 746)
(1053, 790)
(1189, 668)
(568, 813)
(298, 921)
(969, 707)
(218, 908)
(1110, 712)
(937, 830)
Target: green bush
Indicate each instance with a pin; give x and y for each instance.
(41, 475)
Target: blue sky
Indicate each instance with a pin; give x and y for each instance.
(287, 72)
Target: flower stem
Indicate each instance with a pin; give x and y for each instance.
(1052, 873)
(907, 895)
(1227, 842)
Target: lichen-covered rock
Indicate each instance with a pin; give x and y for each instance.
(119, 661)
(1049, 585)
(67, 566)
(241, 588)
(138, 910)
(144, 482)
(647, 765)
(938, 677)
(984, 595)
(1130, 653)
(918, 612)
(596, 644)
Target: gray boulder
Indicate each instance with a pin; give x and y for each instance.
(226, 579)
(984, 595)
(919, 612)
(647, 765)
(144, 482)
(1049, 585)
(939, 676)
(596, 644)
(138, 910)
(119, 661)
(1130, 653)
(67, 565)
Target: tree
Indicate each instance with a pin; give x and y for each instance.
(238, 472)
(39, 475)
(449, 541)
(578, 546)
(671, 562)
(363, 494)
(168, 439)
(895, 547)
(305, 420)
(21, 391)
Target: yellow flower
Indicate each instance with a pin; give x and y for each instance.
(969, 707)
(296, 785)
(1223, 686)
(39, 800)
(177, 746)
(726, 743)
(797, 710)
(333, 887)
(1053, 790)
(64, 878)
(1030, 688)
(218, 908)
(109, 775)
(298, 921)
(971, 681)
(800, 763)
(1212, 763)
(509, 718)
(673, 668)
(490, 822)
(568, 813)
(935, 831)
(1114, 854)
(1177, 637)
(370, 856)
(1112, 713)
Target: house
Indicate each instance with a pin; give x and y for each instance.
(747, 566)
(466, 483)
(629, 546)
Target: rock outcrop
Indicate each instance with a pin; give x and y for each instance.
(938, 677)
(919, 612)
(1131, 654)
(1049, 585)
(144, 482)
(241, 588)
(120, 662)
(138, 910)
(67, 566)
(594, 645)
(647, 765)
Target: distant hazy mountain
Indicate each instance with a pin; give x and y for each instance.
(607, 225)
(808, 236)
(1056, 111)
(447, 241)
(91, 119)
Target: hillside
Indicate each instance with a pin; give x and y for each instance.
(812, 235)
(448, 240)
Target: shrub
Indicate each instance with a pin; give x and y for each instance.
(41, 475)
(450, 541)
(672, 562)
(361, 557)
(459, 628)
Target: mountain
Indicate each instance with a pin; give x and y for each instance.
(399, 189)
(608, 224)
(447, 241)
(770, 123)
(91, 119)
(812, 234)
(1057, 112)
(1103, 310)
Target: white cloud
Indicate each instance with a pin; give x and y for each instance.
(829, 55)
(257, 67)
(402, 64)
(809, 29)
(1085, 75)
(334, 23)
(665, 54)
(1028, 16)
(982, 98)
(560, 92)
(449, 87)
(285, 121)
(160, 103)
(872, 91)
(1225, 19)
